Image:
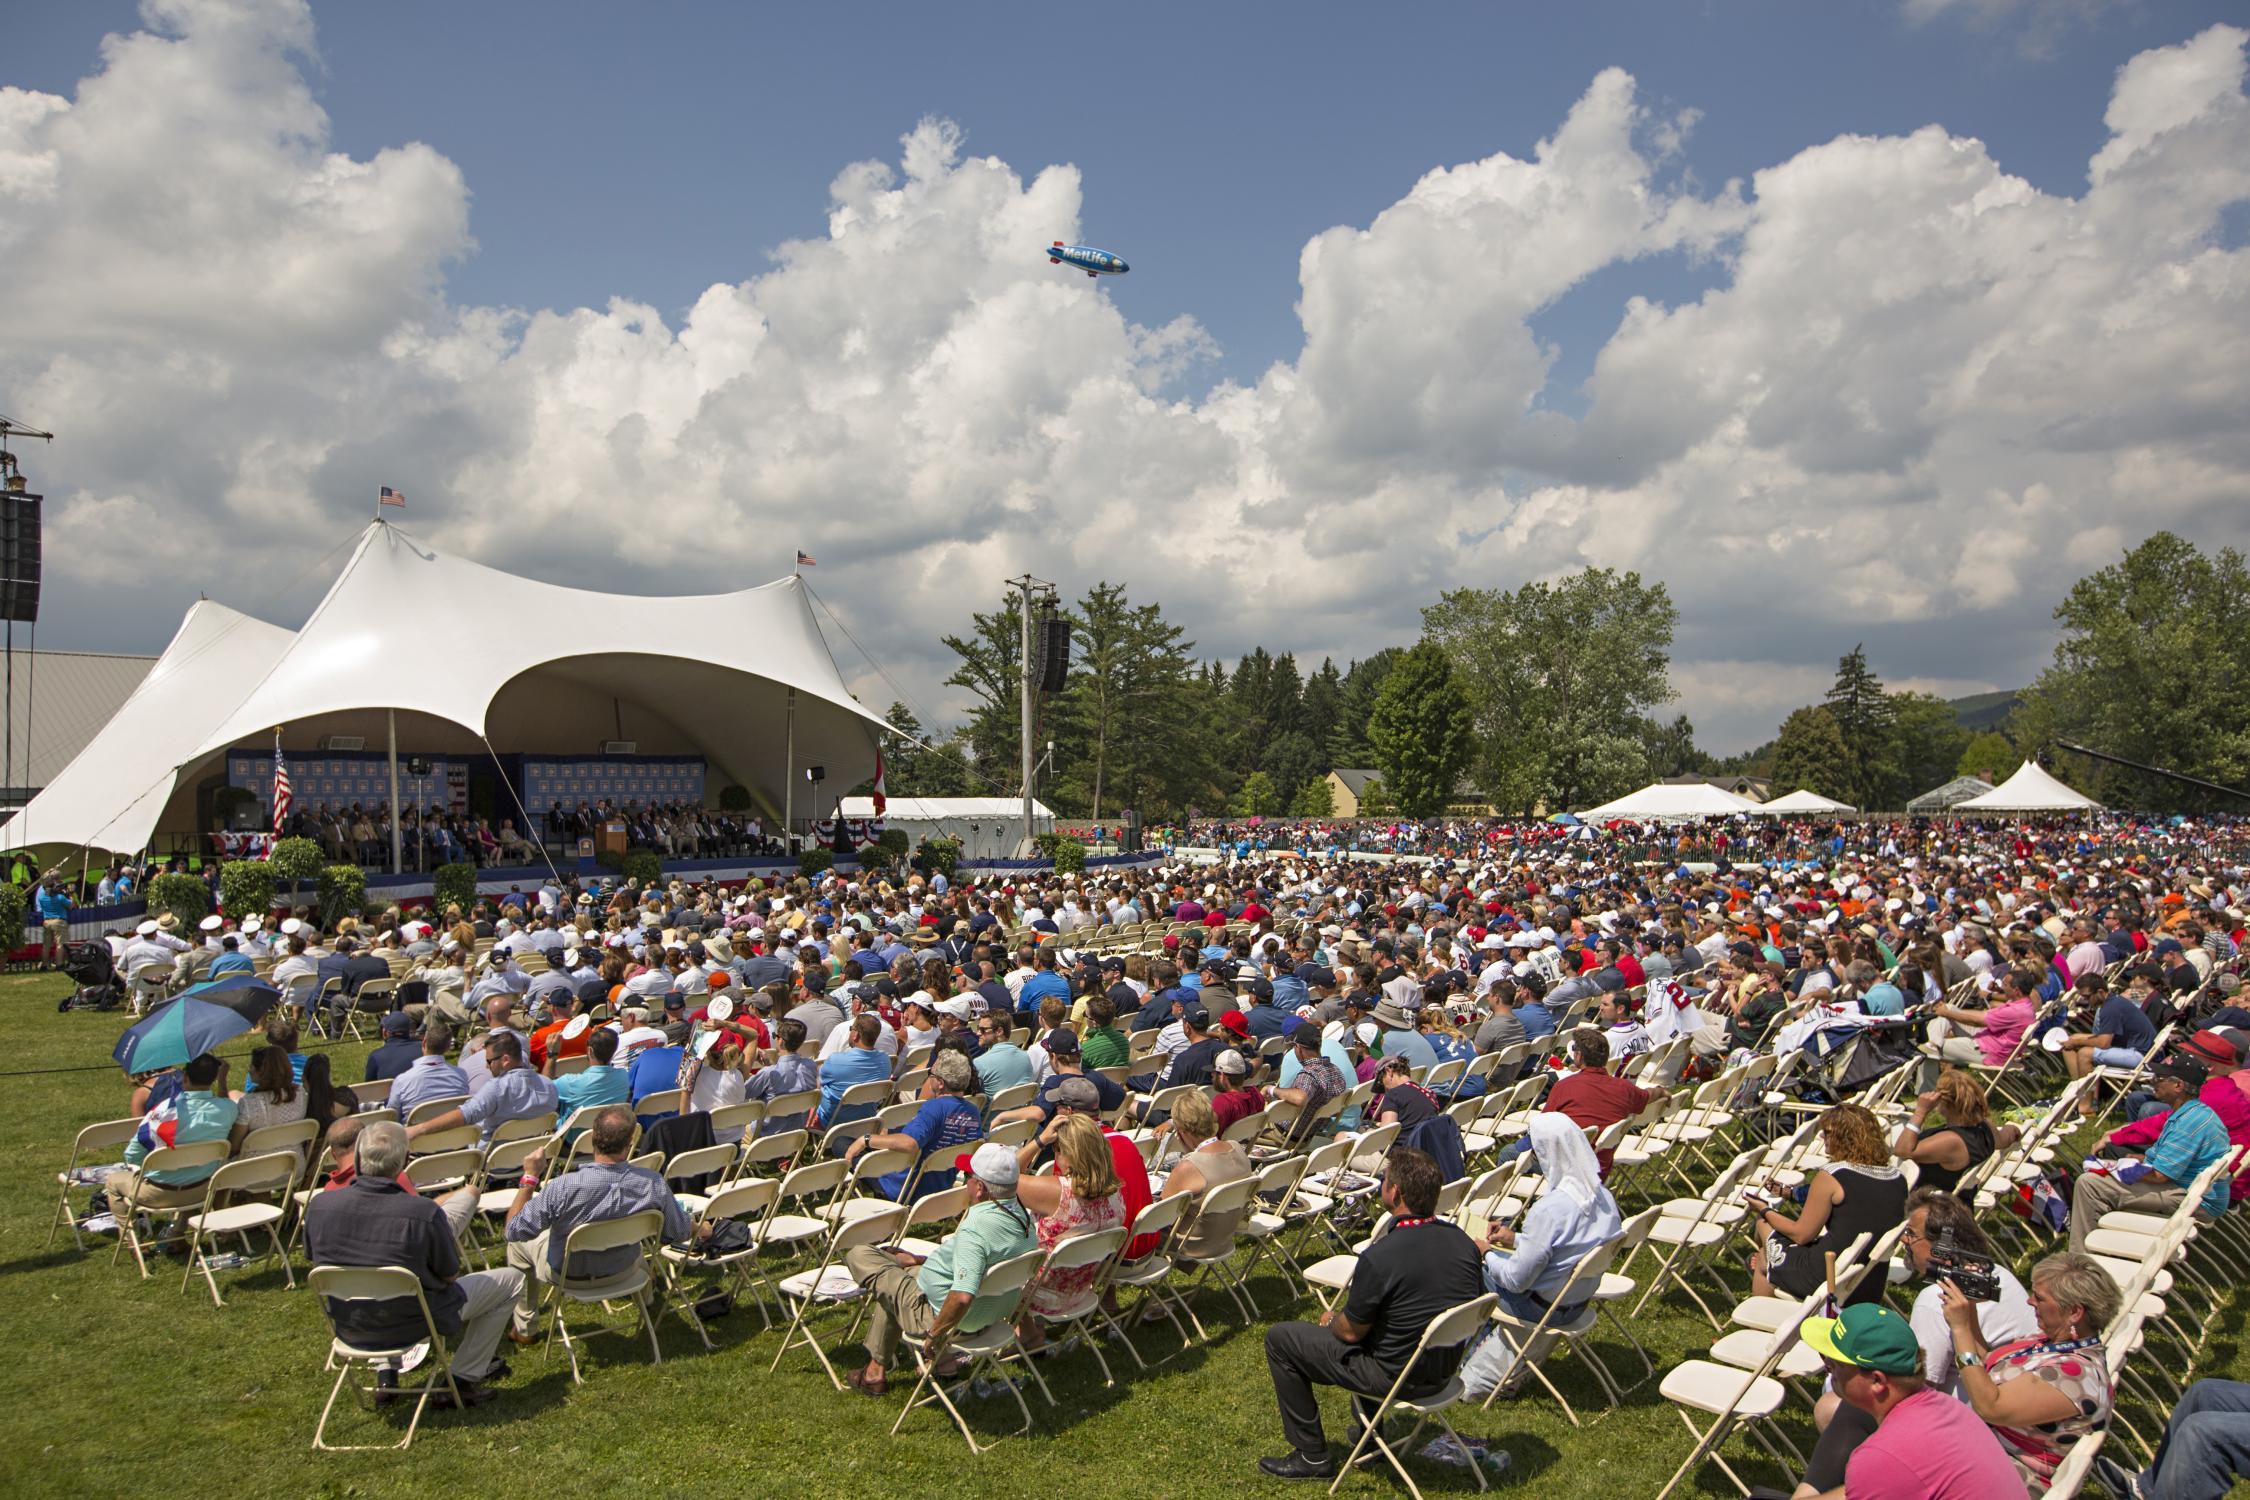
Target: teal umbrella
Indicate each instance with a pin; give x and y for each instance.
(177, 1032)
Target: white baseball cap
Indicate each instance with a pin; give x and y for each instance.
(991, 1164)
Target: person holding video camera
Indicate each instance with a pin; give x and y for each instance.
(2040, 1394)
(1941, 1236)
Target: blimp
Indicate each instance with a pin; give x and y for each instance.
(1086, 258)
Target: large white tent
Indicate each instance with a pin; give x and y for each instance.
(988, 827)
(460, 659)
(1802, 801)
(1663, 801)
(112, 794)
(2031, 789)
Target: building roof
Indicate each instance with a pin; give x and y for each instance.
(1355, 780)
(57, 702)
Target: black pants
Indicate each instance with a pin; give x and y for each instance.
(1303, 1355)
(1851, 1426)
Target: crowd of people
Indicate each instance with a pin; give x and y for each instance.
(1293, 976)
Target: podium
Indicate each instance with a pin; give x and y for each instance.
(611, 838)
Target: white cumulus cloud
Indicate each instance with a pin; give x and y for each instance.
(1922, 396)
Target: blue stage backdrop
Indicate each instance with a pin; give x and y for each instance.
(339, 778)
(619, 779)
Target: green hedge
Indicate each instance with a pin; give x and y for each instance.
(734, 799)
(642, 867)
(184, 896)
(456, 885)
(296, 860)
(815, 862)
(1070, 856)
(942, 855)
(246, 888)
(343, 891)
(14, 899)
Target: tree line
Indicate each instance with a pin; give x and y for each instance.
(1551, 696)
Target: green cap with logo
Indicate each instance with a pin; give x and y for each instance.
(1868, 1337)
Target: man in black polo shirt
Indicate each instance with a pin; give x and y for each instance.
(1417, 1270)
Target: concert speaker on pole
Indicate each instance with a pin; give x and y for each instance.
(1054, 653)
(1131, 842)
(19, 556)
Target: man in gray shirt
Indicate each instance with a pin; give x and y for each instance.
(818, 1014)
(543, 1214)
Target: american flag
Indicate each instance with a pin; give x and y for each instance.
(805, 559)
(389, 496)
(281, 798)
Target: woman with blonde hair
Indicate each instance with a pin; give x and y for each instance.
(1205, 1162)
(1081, 1196)
(2040, 1395)
(1967, 1138)
(1860, 1191)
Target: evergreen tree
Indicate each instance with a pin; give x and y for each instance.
(1862, 714)
(1809, 753)
(1422, 731)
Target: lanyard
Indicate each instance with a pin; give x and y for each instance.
(1398, 1224)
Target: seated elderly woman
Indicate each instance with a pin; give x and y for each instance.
(1528, 1267)
(2041, 1394)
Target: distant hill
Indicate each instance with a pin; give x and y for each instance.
(1985, 710)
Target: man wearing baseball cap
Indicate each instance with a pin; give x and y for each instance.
(932, 1298)
(2191, 1138)
(1926, 1446)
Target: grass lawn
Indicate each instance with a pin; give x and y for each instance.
(119, 1386)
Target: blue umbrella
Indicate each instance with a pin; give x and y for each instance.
(177, 1031)
(244, 992)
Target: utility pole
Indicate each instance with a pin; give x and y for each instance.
(1029, 593)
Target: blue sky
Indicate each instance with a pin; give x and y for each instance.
(650, 150)
(1902, 392)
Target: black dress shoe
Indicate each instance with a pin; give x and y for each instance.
(1298, 1466)
(472, 1394)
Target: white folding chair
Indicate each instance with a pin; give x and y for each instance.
(984, 1348)
(1454, 1326)
(349, 1284)
(250, 1178)
(638, 1230)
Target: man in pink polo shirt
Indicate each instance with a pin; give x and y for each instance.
(1927, 1446)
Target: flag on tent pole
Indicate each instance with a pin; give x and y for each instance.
(389, 496)
(805, 559)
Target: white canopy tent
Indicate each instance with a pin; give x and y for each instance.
(1665, 802)
(2031, 789)
(437, 655)
(111, 796)
(1802, 801)
(988, 827)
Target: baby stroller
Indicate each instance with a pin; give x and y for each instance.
(93, 970)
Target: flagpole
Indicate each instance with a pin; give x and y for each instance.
(391, 715)
(789, 777)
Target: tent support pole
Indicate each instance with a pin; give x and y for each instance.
(789, 777)
(390, 716)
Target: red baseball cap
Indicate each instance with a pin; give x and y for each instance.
(1172, 940)
(2211, 1047)
(1236, 1022)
